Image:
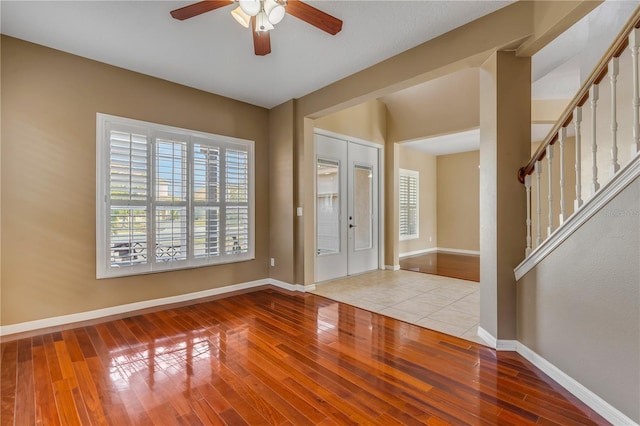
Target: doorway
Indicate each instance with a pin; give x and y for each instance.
(347, 207)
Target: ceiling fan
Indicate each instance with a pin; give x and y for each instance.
(261, 15)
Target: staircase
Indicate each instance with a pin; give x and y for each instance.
(596, 139)
(578, 287)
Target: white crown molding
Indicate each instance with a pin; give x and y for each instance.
(612, 188)
(65, 320)
(598, 404)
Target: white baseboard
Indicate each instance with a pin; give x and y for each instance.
(458, 251)
(488, 338)
(417, 252)
(497, 344)
(439, 249)
(392, 267)
(63, 320)
(596, 403)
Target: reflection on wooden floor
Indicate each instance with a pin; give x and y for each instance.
(272, 358)
(452, 265)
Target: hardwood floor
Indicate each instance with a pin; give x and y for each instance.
(451, 265)
(272, 358)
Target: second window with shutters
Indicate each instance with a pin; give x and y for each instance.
(409, 223)
(170, 198)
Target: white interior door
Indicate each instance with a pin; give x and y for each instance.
(362, 208)
(346, 208)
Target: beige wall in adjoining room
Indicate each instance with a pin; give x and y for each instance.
(459, 201)
(366, 121)
(440, 106)
(49, 105)
(425, 165)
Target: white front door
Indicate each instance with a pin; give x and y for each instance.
(346, 208)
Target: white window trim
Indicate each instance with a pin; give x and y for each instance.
(414, 174)
(103, 263)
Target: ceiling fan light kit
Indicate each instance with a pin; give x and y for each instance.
(240, 16)
(267, 12)
(262, 15)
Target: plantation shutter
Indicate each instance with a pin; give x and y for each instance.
(128, 192)
(237, 201)
(170, 198)
(408, 193)
(206, 199)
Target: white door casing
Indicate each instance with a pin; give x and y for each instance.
(347, 206)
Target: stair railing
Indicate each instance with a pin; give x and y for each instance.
(570, 128)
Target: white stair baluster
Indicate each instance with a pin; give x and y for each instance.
(527, 185)
(594, 96)
(538, 203)
(613, 78)
(550, 195)
(562, 135)
(577, 121)
(634, 45)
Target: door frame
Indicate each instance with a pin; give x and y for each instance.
(381, 194)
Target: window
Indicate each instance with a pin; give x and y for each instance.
(170, 198)
(408, 204)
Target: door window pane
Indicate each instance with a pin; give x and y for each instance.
(328, 206)
(362, 206)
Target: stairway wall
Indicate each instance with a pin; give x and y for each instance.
(579, 308)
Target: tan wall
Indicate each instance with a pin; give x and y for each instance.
(459, 201)
(505, 135)
(578, 308)
(444, 105)
(425, 165)
(462, 48)
(49, 105)
(366, 121)
(282, 210)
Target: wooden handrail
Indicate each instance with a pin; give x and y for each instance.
(596, 76)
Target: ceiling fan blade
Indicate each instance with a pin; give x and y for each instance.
(261, 40)
(314, 16)
(198, 8)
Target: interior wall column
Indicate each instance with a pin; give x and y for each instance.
(391, 205)
(505, 144)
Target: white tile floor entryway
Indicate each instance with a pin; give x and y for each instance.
(448, 305)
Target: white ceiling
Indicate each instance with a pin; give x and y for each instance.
(452, 143)
(212, 52)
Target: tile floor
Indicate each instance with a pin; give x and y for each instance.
(448, 305)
